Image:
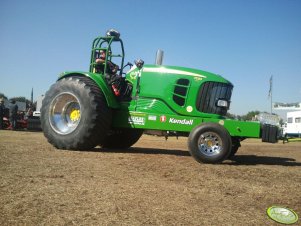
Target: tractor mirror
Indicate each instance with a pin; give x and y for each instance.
(139, 63)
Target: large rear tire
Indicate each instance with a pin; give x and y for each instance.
(122, 138)
(75, 114)
(209, 143)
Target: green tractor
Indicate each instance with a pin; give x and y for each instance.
(80, 111)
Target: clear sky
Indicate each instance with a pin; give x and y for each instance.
(245, 41)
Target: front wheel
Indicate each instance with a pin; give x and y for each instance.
(209, 143)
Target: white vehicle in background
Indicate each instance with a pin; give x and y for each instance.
(37, 112)
(292, 127)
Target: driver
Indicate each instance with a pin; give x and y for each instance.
(111, 76)
(111, 67)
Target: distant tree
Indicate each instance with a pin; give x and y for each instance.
(231, 116)
(239, 117)
(249, 116)
(3, 96)
(22, 99)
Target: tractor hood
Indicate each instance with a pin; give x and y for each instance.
(186, 91)
(178, 71)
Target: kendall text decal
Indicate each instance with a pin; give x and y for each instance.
(181, 121)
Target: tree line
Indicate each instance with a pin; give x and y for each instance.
(247, 117)
(20, 99)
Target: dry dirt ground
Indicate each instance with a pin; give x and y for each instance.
(156, 182)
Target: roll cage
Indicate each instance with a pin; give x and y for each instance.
(106, 43)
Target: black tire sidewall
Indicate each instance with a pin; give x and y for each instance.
(209, 127)
(234, 148)
(122, 138)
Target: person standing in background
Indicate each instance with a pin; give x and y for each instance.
(13, 113)
(2, 107)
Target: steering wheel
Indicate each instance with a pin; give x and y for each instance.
(128, 64)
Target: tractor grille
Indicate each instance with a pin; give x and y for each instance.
(210, 93)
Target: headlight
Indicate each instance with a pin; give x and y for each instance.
(222, 103)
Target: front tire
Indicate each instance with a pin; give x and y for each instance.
(74, 114)
(209, 143)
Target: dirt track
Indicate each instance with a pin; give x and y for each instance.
(154, 183)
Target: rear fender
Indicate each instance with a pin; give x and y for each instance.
(101, 83)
